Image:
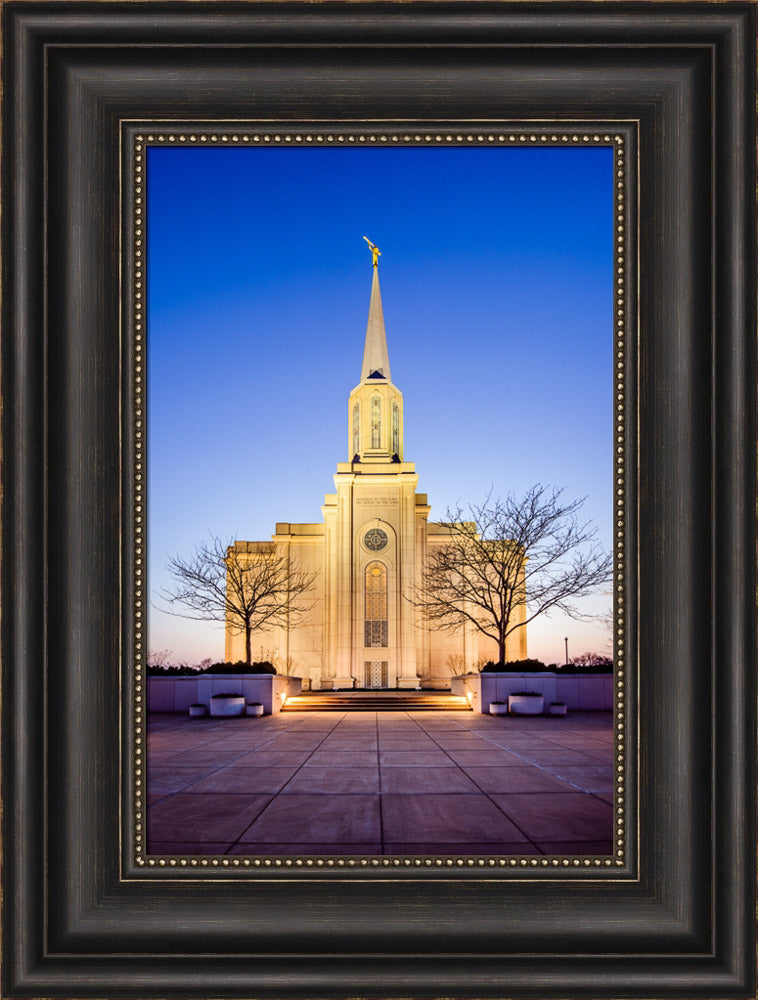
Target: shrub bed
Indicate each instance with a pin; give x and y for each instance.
(529, 666)
(240, 667)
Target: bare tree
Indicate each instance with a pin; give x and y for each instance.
(508, 561)
(246, 586)
(159, 658)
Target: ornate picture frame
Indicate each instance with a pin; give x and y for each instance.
(616, 842)
(81, 918)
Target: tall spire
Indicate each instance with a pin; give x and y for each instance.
(376, 362)
(375, 406)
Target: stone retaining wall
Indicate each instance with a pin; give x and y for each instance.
(579, 692)
(176, 694)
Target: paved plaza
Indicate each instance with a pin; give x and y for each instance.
(396, 782)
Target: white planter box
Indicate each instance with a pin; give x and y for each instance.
(197, 711)
(498, 708)
(586, 692)
(254, 710)
(269, 690)
(525, 704)
(556, 708)
(228, 706)
(176, 694)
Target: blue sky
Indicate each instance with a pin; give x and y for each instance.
(496, 275)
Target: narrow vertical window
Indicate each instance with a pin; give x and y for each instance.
(356, 429)
(376, 422)
(395, 429)
(375, 605)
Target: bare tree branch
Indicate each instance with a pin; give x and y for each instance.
(503, 555)
(245, 586)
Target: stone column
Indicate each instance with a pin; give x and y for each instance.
(343, 667)
(407, 675)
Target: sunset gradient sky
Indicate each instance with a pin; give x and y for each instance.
(496, 275)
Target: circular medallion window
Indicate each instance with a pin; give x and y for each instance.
(375, 539)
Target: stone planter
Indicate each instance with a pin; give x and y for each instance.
(556, 708)
(197, 711)
(578, 692)
(254, 709)
(526, 704)
(263, 689)
(225, 705)
(498, 708)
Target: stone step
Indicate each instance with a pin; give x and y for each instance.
(379, 706)
(375, 701)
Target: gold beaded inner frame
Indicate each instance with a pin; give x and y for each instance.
(621, 136)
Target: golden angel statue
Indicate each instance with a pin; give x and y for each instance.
(375, 251)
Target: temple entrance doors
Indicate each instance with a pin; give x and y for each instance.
(375, 673)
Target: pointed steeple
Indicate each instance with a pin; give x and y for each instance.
(376, 362)
(375, 407)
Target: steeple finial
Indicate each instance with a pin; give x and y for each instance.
(376, 252)
(376, 362)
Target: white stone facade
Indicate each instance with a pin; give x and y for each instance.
(363, 630)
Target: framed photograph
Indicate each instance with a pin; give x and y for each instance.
(364, 638)
(94, 96)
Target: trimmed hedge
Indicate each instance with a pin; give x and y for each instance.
(183, 670)
(514, 667)
(240, 667)
(537, 666)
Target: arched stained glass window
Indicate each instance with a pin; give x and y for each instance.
(395, 429)
(375, 605)
(376, 422)
(356, 428)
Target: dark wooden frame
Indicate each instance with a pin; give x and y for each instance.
(79, 923)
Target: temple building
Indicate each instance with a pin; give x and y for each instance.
(362, 630)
